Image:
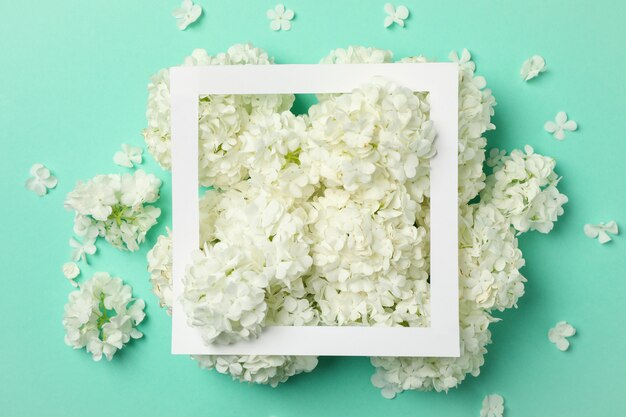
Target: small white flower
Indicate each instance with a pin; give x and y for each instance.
(102, 316)
(532, 67)
(71, 271)
(41, 180)
(280, 17)
(80, 250)
(128, 156)
(560, 125)
(493, 406)
(186, 14)
(601, 231)
(395, 15)
(496, 157)
(559, 334)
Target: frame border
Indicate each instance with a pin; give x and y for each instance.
(441, 339)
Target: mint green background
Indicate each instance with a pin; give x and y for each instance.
(74, 77)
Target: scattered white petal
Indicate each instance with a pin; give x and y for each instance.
(601, 231)
(81, 250)
(532, 67)
(493, 406)
(280, 17)
(560, 125)
(559, 334)
(395, 15)
(41, 180)
(496, 157)
(128, 156)
(71, 271)
(186, 14)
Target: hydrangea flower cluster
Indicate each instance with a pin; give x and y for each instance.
(115, 207)
(102, 316)
(323, 219)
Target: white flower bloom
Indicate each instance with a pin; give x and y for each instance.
(559, 334)
(493, 406)
(395, 15)
(524, 190)
(271, 370)
(186, 14)
(102, 316)
(601, 231)
(128, 156)
(41, 180)
(496, 157)
(280, 17)
(71, 271)
(160, 269)
(532, 67)
(81, 249)
(357, 55)
(560, 125)
(224, 293)
(115, 207)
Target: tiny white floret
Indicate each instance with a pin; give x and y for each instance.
(186, 14)
(560, 125)
(41, 180)
(601, 231)
(493, 406)
(71, 271)
(128, 156)
(532, 67)
(82, 249)
(559, 334)
(395, 15)
(280, 17)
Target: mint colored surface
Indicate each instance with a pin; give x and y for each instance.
(74, 76)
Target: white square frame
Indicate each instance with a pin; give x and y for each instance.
(440, 80)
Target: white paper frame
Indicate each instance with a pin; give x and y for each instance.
(440, 80)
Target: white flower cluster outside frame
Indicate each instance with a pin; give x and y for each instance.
(440, 80)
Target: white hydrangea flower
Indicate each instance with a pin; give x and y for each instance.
(394, 375)
(222, 118)
(280, 17)
(493, 406)
(71, 271)
(395, 15)
(41, 180)
(160, 269)
(358, 55)
(271, 370)
(80, 250)
(532, 67)
(496, 157)
(102, 316)
(524, 189)
(601, 231)
(224, 293)
(115, 207)
(128, 156)
(186, 14)
(559, 334)
(560, 125)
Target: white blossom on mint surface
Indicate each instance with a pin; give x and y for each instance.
(560, 125)
(280, 17)
(224, 293)
(116, 207)
(493, 406)
(394, 375)
(524, 189)
(601, 231)
(395, 15)
(128, 156)
(222, 118)
(489, 259)
(357, 55)
(41, 180)
(186, 14)
(160, 270)
(71, 271)
(102, 316)
(259, 369)
(532, 67)
(80, 250)
(559, 334)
